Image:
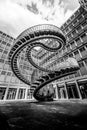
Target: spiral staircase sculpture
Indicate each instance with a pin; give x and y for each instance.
(31, 38)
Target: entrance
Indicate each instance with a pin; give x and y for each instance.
(72, 91)
(2, 92)
(61, 92)
(83, 88)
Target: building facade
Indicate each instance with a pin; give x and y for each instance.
(75, 29)
(11, 88)
(70, 87)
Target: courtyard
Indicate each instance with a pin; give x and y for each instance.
(28, 115)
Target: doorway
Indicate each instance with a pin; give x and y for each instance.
(61, 92)
(2, 92)
(72, 91)
(83, 88)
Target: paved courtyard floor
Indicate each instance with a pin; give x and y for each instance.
(56, 115)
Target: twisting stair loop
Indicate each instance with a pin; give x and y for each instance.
(31, 38)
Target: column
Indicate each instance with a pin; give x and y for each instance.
(6, 92)
(78, 90)
(23, 96)
(66, 90)
(26, 94)
(17, 94)
(56, 92)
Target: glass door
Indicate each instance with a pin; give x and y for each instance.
(72, 91)
(2, 92)
(61, 92)
(83, 89)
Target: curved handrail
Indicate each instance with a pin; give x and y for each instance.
(29, 38)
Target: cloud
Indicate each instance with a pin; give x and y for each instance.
(18, 15)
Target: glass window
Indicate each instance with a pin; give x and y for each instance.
(79, 28)
(2, 60)
(11, 93)
(3, 72)
(81, 64)
(80, 17)
(82, 68)
(21, 93)
(69, 36)
(82, 49)
(7, 78)
(74, 32)
(1, 63)
(71, 26)
(4, 55)
(85, 61)
(76, 52)
(77, 74)
(72, 91)
(2, 92)
(8, 73)
(78, 39)
(83, 35)
(2, 76)
(1, 49)
(5, 52)
(72, 43)
(3, 44)
(83, 88)
(5, 67)
(84, 24)
(70, 55)
(8, 45)
(72, 17)
(67, 30)
(75, 22)
(68, 46)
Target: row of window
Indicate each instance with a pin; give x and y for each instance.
(12, 93)
(74, 34)
(79, 54)
(81, 72)
(9, 77)
(76, 18)
(79, 28)
(73, 17)
(75, 89)
(71, 46)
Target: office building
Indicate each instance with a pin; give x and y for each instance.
(70, 87)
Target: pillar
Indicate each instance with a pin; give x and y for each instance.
(78, 90)
(17, 94)
(6, 93)
(66, 90)
(56, 92)
(26, 94)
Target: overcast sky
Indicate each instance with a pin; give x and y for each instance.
(18, 15)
